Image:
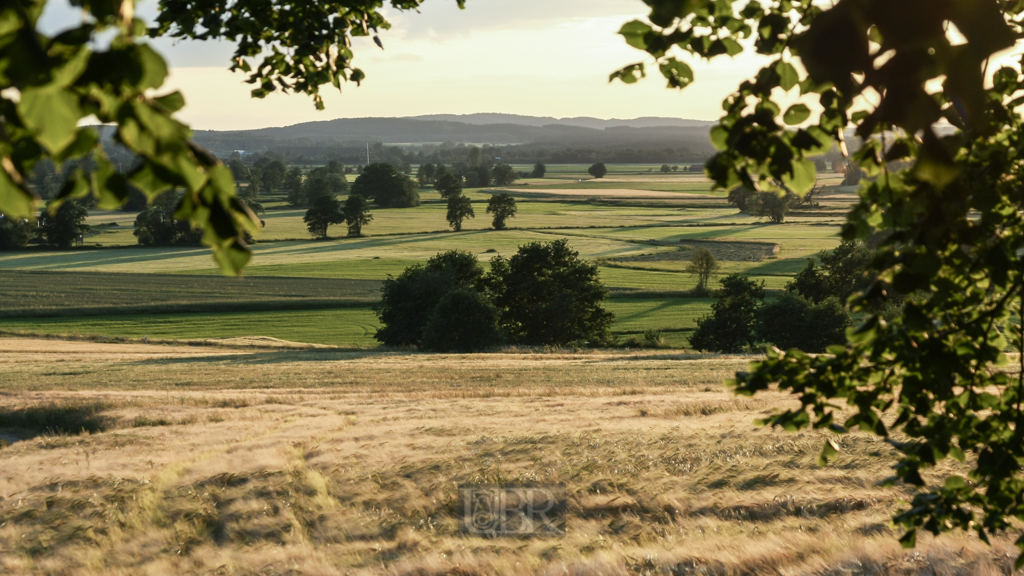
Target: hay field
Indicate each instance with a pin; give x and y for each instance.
(270, 460)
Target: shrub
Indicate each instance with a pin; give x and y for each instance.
(791, 321)
(598, 170)
(14, 232)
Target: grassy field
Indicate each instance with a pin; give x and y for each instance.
(264, 460)
(638, 224)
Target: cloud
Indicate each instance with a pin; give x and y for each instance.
(440, 20)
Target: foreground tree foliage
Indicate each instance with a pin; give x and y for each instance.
(104, 69)
(157, 226)
(953, 220)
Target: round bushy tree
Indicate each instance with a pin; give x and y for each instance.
(62, 228)
(408, 301)
(503, 207)
(459, 208)
(356, 213)
(503, 175)
(791, 321)
(325, 211)
(598, 170)
(462, 321)
(539, 169)
(449, 185)
(730, 326)
(548, 296)
(14, 232)
(386, 186)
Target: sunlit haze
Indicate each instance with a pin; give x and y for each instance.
(530, 57)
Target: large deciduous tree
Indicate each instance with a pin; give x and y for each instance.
(386, 186)
(325, 212)
(62, 226)
(548, 296)
(502, 206)
(356, 214)
(459, 208)
(953, 220)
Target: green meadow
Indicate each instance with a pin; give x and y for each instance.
(637, 224)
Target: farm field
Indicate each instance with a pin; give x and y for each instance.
(639, 226)
(273, 460)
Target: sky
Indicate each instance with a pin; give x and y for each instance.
(530, 57)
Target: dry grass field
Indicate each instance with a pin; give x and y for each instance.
(254, 458)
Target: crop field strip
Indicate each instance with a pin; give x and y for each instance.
(263, 460)
(321, 291)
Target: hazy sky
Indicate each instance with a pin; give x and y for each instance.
(533, 57)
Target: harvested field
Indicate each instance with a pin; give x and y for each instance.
(255, 460)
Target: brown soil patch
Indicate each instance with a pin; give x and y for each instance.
(729, 251)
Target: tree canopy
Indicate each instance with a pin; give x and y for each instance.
(952, 219)
(386, 186)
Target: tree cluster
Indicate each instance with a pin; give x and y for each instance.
(810, 316)
(543, 295)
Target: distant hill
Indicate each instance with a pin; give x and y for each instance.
(500, 130)
(581, 121)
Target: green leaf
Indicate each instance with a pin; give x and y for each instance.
(634, 32)
(720, 137)
(802, 178)
(629, 74)
(172, 102)
(732, 47)
(231, 258)
(14, 200)
(796, 114)
(788, 77)
(52, 114)
(909, 540)
(678, 74)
